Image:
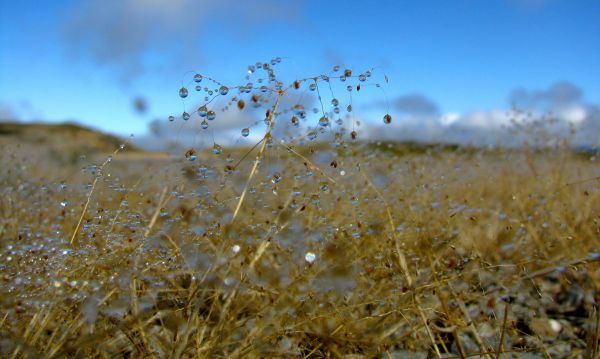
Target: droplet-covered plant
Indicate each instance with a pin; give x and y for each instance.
(284, 105)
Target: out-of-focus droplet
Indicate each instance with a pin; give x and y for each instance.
(245, 132)
(310, 257)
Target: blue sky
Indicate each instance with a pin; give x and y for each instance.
(88, 60)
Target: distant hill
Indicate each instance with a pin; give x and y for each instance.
(57, 144)
(65, 136)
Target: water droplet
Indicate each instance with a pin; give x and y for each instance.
(171, 118)
(211, 115)
(204, 124)
(183, 92)
(310, 257)
(312, 86)
(324, 186)
(315, 199)
(295, 121)
(192, 157)
(245, 132)
(276, 178)
(202, 111)
(241, 104)
(63, 203)
(387, 119)
(217, 149)
(324, 121)
(343, 78)
(349, 108)
(347, 72)
(236, 249)
(197, 78)
(198, 88)
(353, 135)
(362, 77)
(336, 68)
(185, 116)
(223, 90)
(349, 88)
(312, 135)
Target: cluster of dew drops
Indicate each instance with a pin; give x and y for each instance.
(260, 92)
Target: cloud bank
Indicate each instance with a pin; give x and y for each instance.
(123, 33)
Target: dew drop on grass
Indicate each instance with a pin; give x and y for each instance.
(204, 124)
(171, 118)
(387, 119)
(236, 249)
(183, 92)
(211, 115)
(276, 178)
(217, 149)
(310, 257)
(197, 78)
(202, 111)
(323, 121)
(185, 116)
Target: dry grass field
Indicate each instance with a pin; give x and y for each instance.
(359, 250)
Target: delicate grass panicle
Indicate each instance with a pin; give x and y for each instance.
(304, 240)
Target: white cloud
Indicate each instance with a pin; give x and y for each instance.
(122, 33)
